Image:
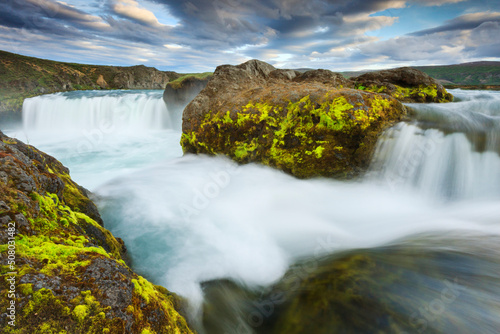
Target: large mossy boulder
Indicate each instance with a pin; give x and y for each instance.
(61, 269)
(405, 84)
(306, 124)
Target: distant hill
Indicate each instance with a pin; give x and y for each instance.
(22, 77)
(484, 73)
(475, 74)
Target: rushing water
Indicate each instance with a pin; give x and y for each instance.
(428, 210)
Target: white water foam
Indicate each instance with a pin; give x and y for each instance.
(90, 110)
(450, 151)
(189, 219)
(100, 135)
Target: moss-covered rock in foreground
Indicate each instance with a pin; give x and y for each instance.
(67, 270)
(304, 124)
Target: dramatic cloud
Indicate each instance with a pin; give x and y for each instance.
(468, 37)
(131, 9)
(197, 35)
(34, 14)
(436, 2)
(464, 22)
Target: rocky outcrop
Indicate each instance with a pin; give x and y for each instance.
(405, 84)
(62, 270)
(180, 92)
(309, 124)
(101, 82)
(140, 77)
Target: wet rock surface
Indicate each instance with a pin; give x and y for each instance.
(306, 124)
(68, 269)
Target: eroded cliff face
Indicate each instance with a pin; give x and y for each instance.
(63, 271)
(22, 77)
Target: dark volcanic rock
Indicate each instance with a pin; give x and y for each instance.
(306, 124)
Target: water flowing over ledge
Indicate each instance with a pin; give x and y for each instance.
(189, 220)
(90, 110)
(448, 151)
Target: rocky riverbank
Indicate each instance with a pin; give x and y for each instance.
(62, 270)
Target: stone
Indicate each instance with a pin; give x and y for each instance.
(311, 124)
(405, 84)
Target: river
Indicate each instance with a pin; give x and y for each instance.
(224, 235)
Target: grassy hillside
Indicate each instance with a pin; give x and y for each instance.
(177, 83)
(22, 77)
(475, 74)
(479, 74)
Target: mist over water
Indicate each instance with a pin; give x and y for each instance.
(449, 151)
(100, 135)
(120, 110)
(191, 219)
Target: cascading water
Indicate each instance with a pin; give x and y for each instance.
(85, 111)
(429, 210)
(102, 134)
(448, 151)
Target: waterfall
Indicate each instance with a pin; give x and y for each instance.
(449, 151)
(424, 213)
(100, 135)
(90, 110)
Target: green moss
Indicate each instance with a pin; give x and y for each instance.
(303, 137)
(421, 93)
(155, 298)
(9, 141)
(57, 255)
(318, 152)
(54, 213)
(26, 289)
(144, 288)
(80, 312)
(243, 150)
(177, 83)
(43, 299)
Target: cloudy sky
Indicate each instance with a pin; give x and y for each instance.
(198, 35)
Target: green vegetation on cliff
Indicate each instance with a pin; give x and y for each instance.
(178, 83)
(22, 77)
(476, 74)
(485, 73)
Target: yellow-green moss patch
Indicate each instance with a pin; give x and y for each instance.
(305, 137)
